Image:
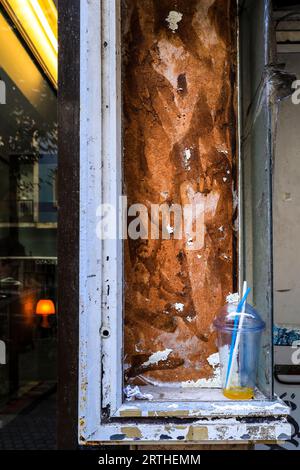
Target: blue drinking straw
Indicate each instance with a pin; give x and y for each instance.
(234, 335)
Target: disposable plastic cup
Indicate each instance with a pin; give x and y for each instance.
(239, 374)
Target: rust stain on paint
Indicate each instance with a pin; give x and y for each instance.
(179, 132)
(197, 433)
(131, 432)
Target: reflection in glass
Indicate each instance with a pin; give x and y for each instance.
(28, 218)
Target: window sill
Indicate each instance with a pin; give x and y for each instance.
(215, 420)
(195, 403)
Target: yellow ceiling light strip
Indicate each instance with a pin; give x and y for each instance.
(36, 20)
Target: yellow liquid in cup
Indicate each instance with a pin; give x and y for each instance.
(238, 393)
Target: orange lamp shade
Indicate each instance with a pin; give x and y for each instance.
(45, 307)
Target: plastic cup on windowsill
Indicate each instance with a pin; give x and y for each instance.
(241, 382)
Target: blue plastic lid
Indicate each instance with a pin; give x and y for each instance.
(226, 316)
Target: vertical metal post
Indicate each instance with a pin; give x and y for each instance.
(68, 222)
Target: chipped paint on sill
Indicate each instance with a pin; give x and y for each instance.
(209, 431)
(173, 413)
(131, 432)
(208, 410)
(133, 412)
(197, 433)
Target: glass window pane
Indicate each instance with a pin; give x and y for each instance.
(28, 219)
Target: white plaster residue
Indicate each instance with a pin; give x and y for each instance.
(179, 307)
(189, 319)
(214, 360)
(180, 347)
(173, 19)
(133, 393)
(221, 229)
(157, 357)
(211, 203)
(214, 381)
(203, 26)
(232, 298)
(170, 56)
(187, 155)
(224, 179)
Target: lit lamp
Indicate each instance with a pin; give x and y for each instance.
(45, 307)
(36, 20)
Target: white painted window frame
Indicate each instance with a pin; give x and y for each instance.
(103, 416)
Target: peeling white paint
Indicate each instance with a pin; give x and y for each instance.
(179, 307)
(92, 428)
(187, 155)
(230, 407)
(132, 393)
(206, 403)
(157, 357)
(225, 429)
(214, 381)
(173, 19)
(214, 360)
(170, 229)
(222, 430)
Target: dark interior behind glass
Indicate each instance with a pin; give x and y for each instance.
(28, 220)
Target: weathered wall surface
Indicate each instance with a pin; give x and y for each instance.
(179, 135)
